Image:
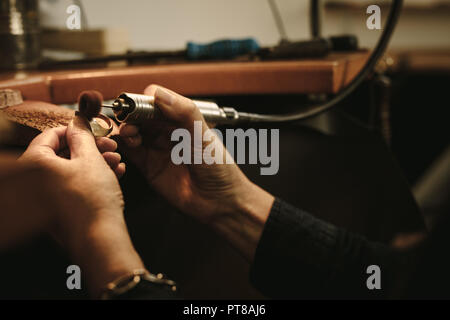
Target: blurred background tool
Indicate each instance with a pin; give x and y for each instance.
(315, 18)
(76, 44)
(225, 50)
(19, 34)
(278, 21)
(316, 47)
(222, 49)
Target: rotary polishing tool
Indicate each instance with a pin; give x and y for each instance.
(139, 108)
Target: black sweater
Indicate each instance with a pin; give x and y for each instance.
(300, 256)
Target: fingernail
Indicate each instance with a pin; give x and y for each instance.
(164, 97)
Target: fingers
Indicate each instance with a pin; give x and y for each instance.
(80, 139)
(120, 170)
(105, 144)
(128, 130)
(51, 141)
(130, 135)
(150, 90)
(112, 159)
(133, 142)
(179, 110)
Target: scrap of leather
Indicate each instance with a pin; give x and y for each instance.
(33, 114)
(41, 115)
(38, 115)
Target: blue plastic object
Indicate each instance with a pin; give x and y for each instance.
(222, 49)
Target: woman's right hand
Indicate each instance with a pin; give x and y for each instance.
(219, 195)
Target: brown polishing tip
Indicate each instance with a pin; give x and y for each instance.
(90, 103)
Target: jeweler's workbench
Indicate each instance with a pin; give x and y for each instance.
(196, 79)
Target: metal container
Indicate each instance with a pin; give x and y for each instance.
(19, 34)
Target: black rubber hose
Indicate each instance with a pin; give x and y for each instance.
(317, 109)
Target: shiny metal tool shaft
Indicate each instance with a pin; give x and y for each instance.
(138, 108)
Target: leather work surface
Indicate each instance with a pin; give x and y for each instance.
(32, 114)
(38, 115)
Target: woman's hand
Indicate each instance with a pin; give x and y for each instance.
(219, 195)
(83, 189)
(84, 200)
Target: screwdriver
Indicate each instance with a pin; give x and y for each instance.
(222, 49)
(228, 49)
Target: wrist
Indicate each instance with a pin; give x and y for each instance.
(242, 222)
(106, 253)
(255, 203)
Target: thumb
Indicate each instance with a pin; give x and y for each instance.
(80, 139)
